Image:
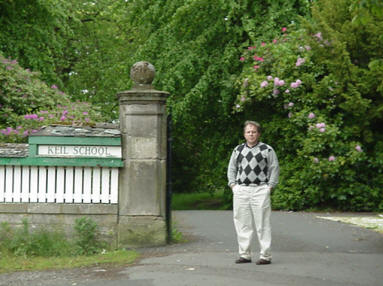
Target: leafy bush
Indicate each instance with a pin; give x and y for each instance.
(27, 103)
(87, 241)
(47, 243)
(22, 242)
(317, 93)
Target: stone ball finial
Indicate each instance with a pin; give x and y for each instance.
(142, 73)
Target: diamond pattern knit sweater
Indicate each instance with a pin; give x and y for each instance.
(253, 166)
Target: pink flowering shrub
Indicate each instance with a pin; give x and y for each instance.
(317, 109)
(27, 103)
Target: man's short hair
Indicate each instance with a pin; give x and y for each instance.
(254, 123)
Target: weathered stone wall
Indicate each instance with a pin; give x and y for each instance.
(62, 216)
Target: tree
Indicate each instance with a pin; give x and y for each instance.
(36, 33)
(195, 47)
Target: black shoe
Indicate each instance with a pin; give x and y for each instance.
(263, 262)
(242, 260)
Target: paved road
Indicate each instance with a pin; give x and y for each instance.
(306, 251)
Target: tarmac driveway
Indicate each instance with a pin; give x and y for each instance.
(306, 251)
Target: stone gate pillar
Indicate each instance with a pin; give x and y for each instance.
(142, 185)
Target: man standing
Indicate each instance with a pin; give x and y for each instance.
(252, 173)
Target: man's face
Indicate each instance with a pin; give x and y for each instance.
(251, 134)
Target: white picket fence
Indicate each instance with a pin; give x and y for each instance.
(40, 184)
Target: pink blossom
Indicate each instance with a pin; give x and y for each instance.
(264, 83)
(320, 125)
(311, 115)
(62, 118)
(241, 59)
(25, 133)
(287, 91)
(252, 48)
(307, 48)
(318, 36)
(274, 41)
(65, 112)
(316, 160)
(331, 158)
(281, 82)
(358, 148)
(322, 130)
(243, 98)
(9, 68)
(291, 104)
(35, 131)
(259, 59)
(256, 67)
(300, 61)
(275, 91)
(284, 29)
(269, 77)
(41, 118)
(294, 85)
(54, 86)
(87, 119)
(276, 81)
(263, 44)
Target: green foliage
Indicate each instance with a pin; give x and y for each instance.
(87, 48)
(87, 241)
(27, 103)
(37, 34)
(315, 91)
(79, 46)
(198, 201)
(23, 241)
(102, 47)
(197, 62)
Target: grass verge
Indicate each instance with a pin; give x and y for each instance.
(198, 201)
(12, 263)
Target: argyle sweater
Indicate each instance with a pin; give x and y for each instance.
(253, 166)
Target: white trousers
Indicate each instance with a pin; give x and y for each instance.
(251, 206)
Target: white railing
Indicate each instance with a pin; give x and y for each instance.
(40, 184)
